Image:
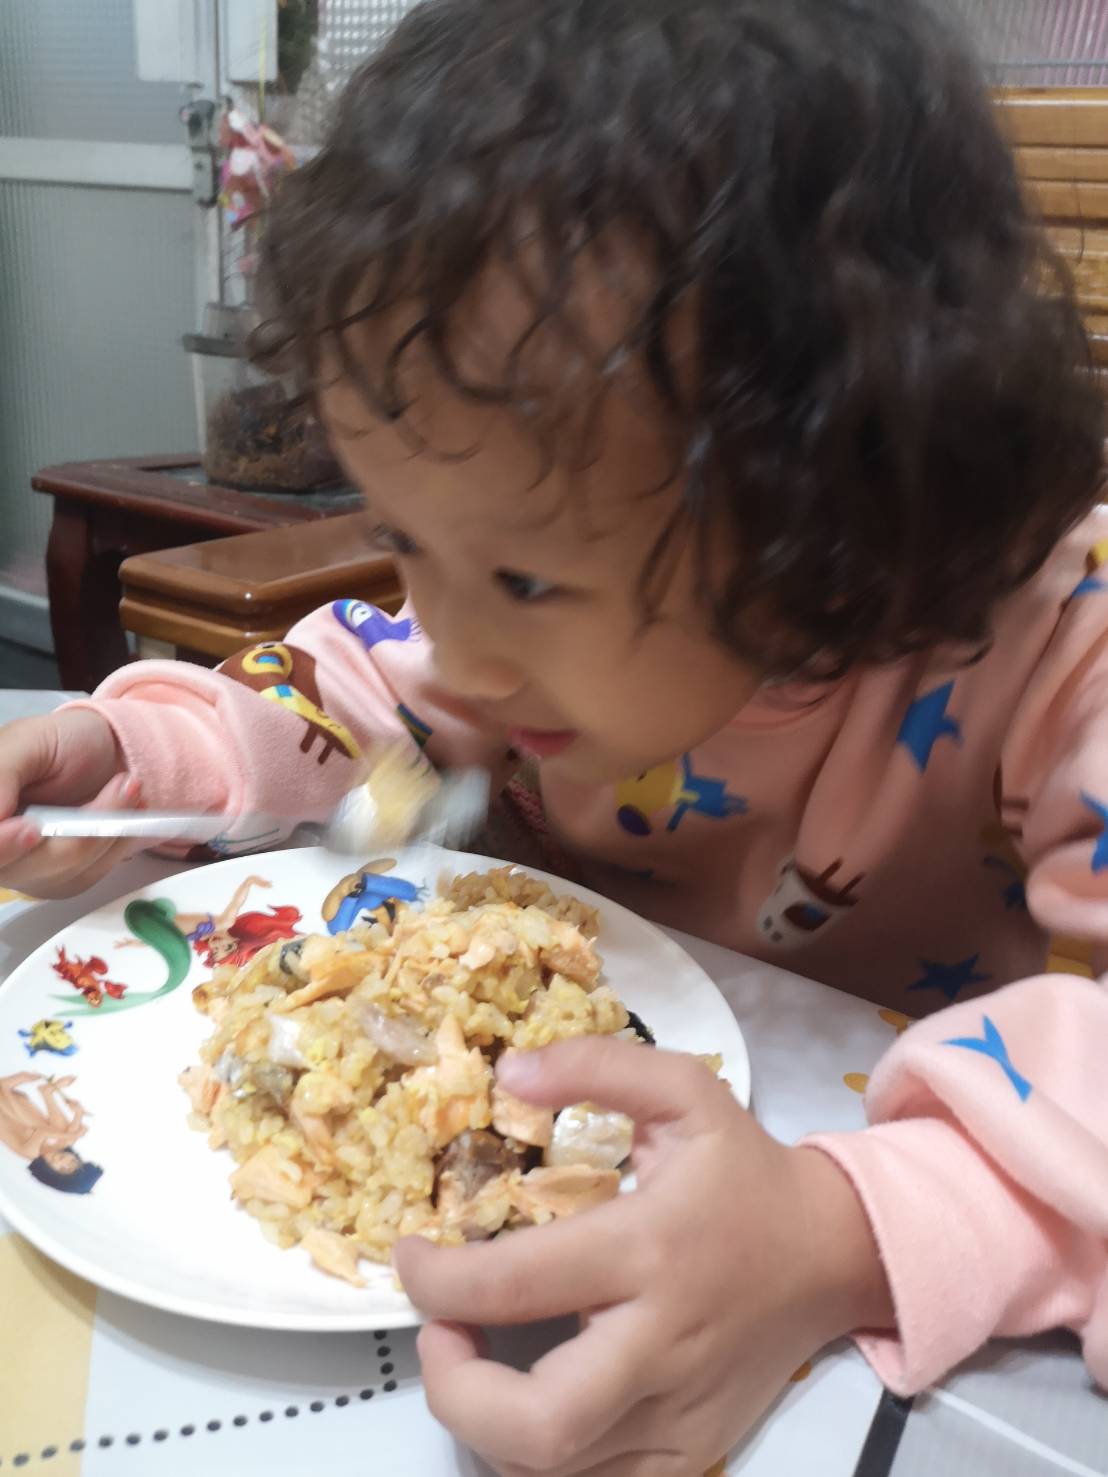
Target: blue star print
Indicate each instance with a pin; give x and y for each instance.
(370, 625)
(951, 979)
(926, 722)
(1015, 894)
(1100, 851)
(991, 1044)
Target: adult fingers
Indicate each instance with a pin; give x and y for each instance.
(541, 1272)
(650, 1086)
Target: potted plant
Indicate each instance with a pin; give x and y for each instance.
(255, 434)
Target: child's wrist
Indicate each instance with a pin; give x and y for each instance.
(851, 1289)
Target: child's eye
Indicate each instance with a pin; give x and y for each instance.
(526, 588)
(392, 541)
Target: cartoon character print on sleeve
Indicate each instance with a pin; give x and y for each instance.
(678, 788)
(805, 902)
(286, 675)
(372, 626)
(422, 732)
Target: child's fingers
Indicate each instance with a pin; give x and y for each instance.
(63, 867)
(17, 840)
(560, 1408)
(542, 1272)
(650, 1086)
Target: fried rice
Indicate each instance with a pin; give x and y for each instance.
(352, 1079)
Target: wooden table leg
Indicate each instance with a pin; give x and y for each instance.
(83, 586)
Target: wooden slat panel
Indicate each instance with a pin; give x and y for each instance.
(1069, 116)
(1090, 275)
(1076, 241)
(1063, 164)
(1061, 201)
(1097, 324)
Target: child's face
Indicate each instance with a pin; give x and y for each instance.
(530, 590)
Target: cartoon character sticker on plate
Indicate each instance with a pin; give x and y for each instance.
(364, 891)
(151, 922)
(49, 1035)
(89, 976)
(40, 1122)
(231, 936)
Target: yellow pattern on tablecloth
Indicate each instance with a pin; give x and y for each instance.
(43, 1381)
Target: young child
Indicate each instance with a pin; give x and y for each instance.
(733, 428)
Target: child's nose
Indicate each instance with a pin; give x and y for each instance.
(470, 672)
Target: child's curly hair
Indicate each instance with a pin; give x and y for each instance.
(892, 414)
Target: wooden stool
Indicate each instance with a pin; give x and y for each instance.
(208, 600)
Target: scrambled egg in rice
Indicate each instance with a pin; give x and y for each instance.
(351, 1077)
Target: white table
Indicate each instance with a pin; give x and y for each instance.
(108, 1387)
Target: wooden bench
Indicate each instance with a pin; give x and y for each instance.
(1060, 135)
(209, 600)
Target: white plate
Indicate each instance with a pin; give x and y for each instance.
(158, 1224)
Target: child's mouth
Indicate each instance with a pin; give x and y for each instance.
(542, 743)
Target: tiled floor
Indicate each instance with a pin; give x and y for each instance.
(22, 667)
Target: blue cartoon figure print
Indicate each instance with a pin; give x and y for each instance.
(373, 626)
(365, 891)
(674, 787)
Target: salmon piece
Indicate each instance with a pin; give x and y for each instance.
(454, 1093)
(338, 979)
(202, 1087)
(267, 1175)
(316, 1095)
(330, 970)
(483, 1214)
(316, 1133)
(521, 1121)
(557, 1191)
(333, 1253)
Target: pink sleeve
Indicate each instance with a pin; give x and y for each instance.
(985, 1177)
(280, 728)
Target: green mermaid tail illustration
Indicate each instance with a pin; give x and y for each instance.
(152, 923)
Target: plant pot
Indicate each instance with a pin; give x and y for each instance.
(255, 434)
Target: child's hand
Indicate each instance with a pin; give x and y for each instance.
(734, 1260)
(68, 758)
